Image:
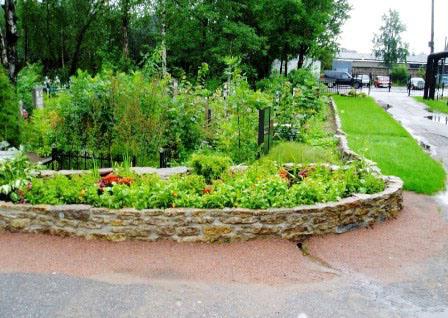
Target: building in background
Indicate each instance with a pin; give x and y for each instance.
(361, 63)
(313, 66)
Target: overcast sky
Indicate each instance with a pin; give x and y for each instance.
(416, 15)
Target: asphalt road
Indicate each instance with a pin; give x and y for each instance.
(396, 269)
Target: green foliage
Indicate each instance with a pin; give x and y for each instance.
(95, 35)
(210, 166)
(297, 100)
(388, 44)
(28, 78)
(400, 74)
(262, 186)
(293, 152)
(9, 111)
(376, 135)
(40, 130)
(14, 174)
(302, 77)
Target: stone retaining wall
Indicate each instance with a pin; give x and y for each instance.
(209, 225)
(203, 225)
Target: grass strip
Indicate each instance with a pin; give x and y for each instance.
(434, 105)
(373, 133)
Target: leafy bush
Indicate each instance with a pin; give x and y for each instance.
(262, 186)
(9, 111)
(302, 77)
(210, 166)
(40, 130)
(14, 174)
(28, 78)
(400, 74)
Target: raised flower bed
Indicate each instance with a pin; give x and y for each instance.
(218, 211)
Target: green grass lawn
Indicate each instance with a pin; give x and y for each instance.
(434, 105)
(373, 133)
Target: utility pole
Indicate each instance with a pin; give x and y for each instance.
(431, 43)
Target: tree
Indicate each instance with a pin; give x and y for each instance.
(8, 40)
(388, 44)
(9, 110)
(307, 28)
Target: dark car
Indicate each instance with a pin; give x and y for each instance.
(332, 78)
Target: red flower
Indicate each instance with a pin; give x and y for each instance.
(284, 174)
(207, 190)
(112, 179)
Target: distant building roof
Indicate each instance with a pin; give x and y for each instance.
(355, 56)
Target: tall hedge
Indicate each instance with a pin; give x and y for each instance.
(9, 111)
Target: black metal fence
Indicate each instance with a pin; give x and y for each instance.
(334, 88)
(83, 160)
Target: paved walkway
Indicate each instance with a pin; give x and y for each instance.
(396, 269)
(414, 117)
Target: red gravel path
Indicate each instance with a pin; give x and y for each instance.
(382, 252)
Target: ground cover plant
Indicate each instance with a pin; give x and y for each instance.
(434, 105)
(376, 135)
(263, 185)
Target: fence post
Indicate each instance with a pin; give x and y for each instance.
(162, 161)
(53, 157)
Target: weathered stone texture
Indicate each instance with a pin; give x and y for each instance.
(203, 225)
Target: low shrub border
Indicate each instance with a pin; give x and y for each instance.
(209, 225)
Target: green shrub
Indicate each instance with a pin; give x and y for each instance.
(9, 111)
(14, 174)
(302, 77)
(40, 130)
(210, 166)
(28, 78)
(400, 74)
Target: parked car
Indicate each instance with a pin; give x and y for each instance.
(382, 81)
(365, 79)
(332, 78)
(417, 83)
(442, 80)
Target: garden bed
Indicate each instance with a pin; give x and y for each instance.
(209, 202)
(204, 225)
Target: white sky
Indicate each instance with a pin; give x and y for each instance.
(415, 14)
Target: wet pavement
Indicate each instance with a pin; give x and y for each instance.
(395, 269)
(429, 128)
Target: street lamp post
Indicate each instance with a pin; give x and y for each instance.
(431, 43)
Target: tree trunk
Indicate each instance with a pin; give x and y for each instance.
(3, 54)
(11, 37)
(125, 27)
(281, 66)
(300, 61)
(163, 33)
(47, 25)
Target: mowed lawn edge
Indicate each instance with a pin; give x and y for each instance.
(433, 105)
(374, 134)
